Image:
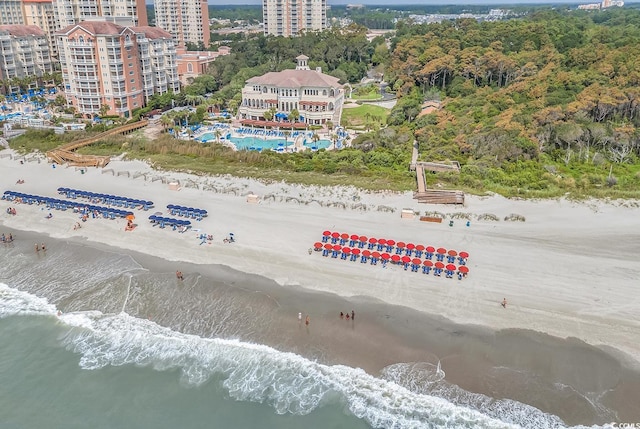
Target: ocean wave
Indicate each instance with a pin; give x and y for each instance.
(250, 372)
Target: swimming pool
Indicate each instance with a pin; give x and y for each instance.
(257, 143)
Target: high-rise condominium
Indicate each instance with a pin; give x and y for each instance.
(69, 12)
(290, 17)
(187, 20)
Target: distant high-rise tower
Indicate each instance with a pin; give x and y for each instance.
(70, 12)
(11, 12)
(290, 17)
(187, 20)
(40, 13)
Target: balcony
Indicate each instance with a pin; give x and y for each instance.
(81, 44)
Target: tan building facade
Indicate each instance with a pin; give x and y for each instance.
(187, 20)
(192, 64)
(105, 64)
(69, 12)
(40, 13)
(24, 51)
(290, 17)
(316, 96)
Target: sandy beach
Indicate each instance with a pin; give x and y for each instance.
(569, 270)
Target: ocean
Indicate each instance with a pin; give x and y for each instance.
(91, 337)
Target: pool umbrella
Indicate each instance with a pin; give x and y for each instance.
(430, 249)
(344, 236)
(363, 238)
(346, 250)
(328, 246)
(450, 267)
(317, 245)
(372, 241)
(427, 263)
(382, 241)
(355, 251)
(442, 250)
(375, 255)
(391, 243)
(463, 255)
(366, 253)
(335, 235)
(411, 246)
(337, 248)
(420, 248)
(400, 244)
(395, 258)
(385, 256)
(130, 217)
(463, 269)
(354, 237)
(416, 261)
(406, 259)
(452, 253)
(439, 265)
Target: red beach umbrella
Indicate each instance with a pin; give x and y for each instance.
(441, 250)
(337, 247)
(363, 238)
(354, 237)
(382, 241)
(373, 240)
(335, 235)
(375, 255)
(344, 236)
(430, 249)
(420, 248)
(366, 253)
(427, 263)
(463, 269)
(391, 242)
(450, 267)
(395, 258)
(400, 244)
(346, 250)
(317, 245)
(385, 256)
(439, 265)
(355, 251)
(452, 253)
(328, 246)
(463, 255)
(326, 233)
(411, 246)
(406, 259)
(416, 261)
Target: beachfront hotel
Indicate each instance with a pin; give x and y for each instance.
(123, 12)
(192, 64)
(318, 97)
(40, 13)
(187, 20)
(105, 64)
(290, 17)
(24, 51)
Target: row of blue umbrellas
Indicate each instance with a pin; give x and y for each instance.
(112, 200)
(163, 221)
(53, 203)
(191, 212)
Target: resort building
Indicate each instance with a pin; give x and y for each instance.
(192, 64)
(24, 51)
(11, 12)
(105, 64)
(317, 97)
(290, 17)
(69, 12)
(186, 20)
(40, 13)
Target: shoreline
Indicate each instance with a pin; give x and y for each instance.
(568, 271)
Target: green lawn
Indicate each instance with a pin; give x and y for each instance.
(359, 116)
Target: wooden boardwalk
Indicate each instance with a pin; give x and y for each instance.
(433, 196)
(64, 154)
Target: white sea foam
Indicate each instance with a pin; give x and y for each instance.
(250, 372)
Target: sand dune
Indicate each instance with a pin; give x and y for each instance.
(570, 269)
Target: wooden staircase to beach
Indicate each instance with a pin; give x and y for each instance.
(434, 196)
(64, 154)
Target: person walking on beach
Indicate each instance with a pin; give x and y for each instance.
(341, 315)
(307, 320)
(353, 315)
(179, 275)
(504, 303)
(44, 249)
(37, 247)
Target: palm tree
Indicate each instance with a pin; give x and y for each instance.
(315, 137)
(268, 115)
(166, 121)
(218, 133)
(286, 133)
(194, 99)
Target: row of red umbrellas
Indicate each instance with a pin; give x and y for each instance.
(400, 244)
(386, 256)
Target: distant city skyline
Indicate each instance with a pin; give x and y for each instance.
(414, 2)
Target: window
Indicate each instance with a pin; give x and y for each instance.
(189, 68)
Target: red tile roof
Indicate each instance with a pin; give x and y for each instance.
(95, 28)
(296, 79)
(22, 30)
(152, 32)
